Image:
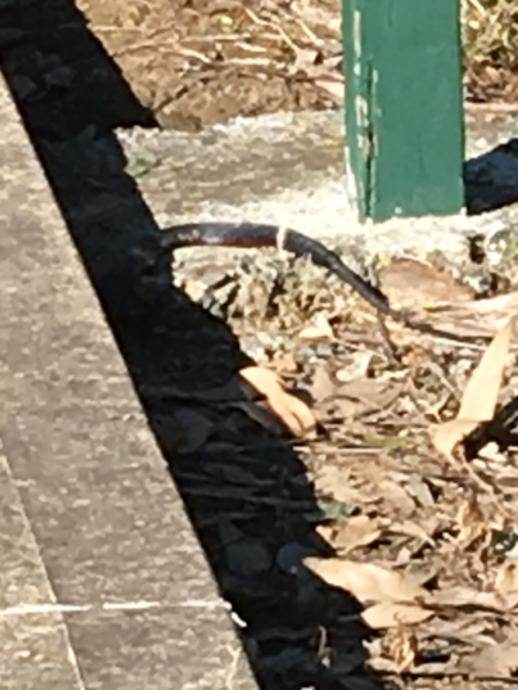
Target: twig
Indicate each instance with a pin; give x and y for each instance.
(264, 22)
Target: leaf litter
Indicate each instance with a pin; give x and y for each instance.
(422, 543)
(413, 464)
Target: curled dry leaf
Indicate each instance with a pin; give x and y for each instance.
(394, 615)
(480, 396)
(293, 413)
(367, 582)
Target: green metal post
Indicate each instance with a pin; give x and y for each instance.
(404, 115)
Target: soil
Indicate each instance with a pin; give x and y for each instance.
(195, 63)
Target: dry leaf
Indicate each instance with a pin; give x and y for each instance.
(334, 481)
(356, 368)
(358, 530)
(500, 660)
(401, 647)
(320, 329)
(333, 86)
(480, 396)
(505, 305)
(322, 386)
(447, 435)
(372, 393)
(471, 521)
(480, 317)
(411, 529)
(396, 496)
(393, 615)
(459, 596)
(367, 582)
(431, 285)
(481, 392)
(294, 414)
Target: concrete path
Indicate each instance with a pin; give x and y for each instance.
(103, 584)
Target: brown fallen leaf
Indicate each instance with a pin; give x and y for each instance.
(431, 285)
(333, 481)
(498, 661)
(471, 521)
(367, 582)
(393, 615)
(322, 386)
(293, 412)
(411, 529)
(480, 395)
(358, 530)
(480, 317)
(461, 597)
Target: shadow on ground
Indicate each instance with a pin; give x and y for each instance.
(492, 179)
(245, 490)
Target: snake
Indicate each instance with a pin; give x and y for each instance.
(249, 235)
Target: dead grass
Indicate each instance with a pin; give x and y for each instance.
(490, 30)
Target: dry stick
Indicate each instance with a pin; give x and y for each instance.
(272, 25)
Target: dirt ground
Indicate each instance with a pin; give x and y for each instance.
(195, 63)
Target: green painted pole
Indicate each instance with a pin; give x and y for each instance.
(404, 114)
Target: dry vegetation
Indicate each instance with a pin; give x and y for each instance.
(490, 31)
(194, 63)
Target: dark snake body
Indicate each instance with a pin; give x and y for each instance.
(259, 235)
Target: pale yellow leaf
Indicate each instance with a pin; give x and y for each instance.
(460, 596)
(481, 392)
(358, 530)
(292, 412)
(392, 615)
(366, 581)
(447, 435)
(319, 329)
(480, 396)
